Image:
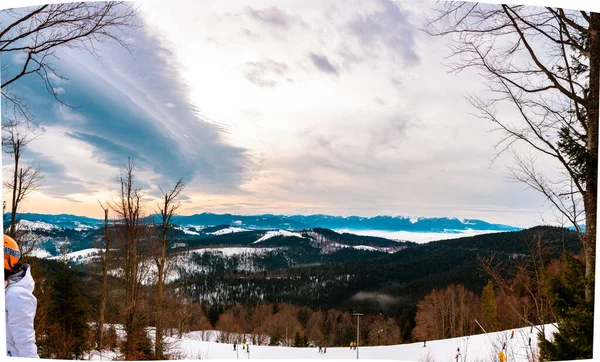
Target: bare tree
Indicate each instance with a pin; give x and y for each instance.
(131, 235)
(25, 178)
(105, 262)
(544, 63)
(522, 281)
(36, 34)
(166, 210)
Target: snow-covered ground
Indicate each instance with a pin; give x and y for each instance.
(273, 233)
(229, 230)
(40, 253)
(417, 237)
(80, 256)
(187, 230)
(33, 225)
(228, 252)
(477, 348)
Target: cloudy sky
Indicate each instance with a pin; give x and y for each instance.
(335, 107)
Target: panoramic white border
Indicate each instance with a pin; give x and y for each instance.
(590, 5)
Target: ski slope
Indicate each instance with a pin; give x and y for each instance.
(273, 233)
(229, 230)
(482, 347)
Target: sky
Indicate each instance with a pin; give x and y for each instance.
(303, 107)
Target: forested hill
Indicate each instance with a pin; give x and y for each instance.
(401, 278)
(411, 273)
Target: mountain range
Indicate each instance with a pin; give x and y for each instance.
(291, 222)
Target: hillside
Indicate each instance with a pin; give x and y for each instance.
(402, 277)
(482, 347)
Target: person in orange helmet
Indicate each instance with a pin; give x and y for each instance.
(20, 303)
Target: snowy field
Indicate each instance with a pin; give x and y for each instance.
(477, 348)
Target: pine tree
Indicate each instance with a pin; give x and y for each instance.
(574, 338)
(67, 316)
(489, 309)
(304, 340)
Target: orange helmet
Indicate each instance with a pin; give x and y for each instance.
(12, 253)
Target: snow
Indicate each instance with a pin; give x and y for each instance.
(40, 253)
(414, 219)
(185, 230)
(366, 247)
(418, 237)
(481, 347)
(81, 256)
(82, 227)
(273, 233)
(35, 225)
(229, 230)
(228, 252)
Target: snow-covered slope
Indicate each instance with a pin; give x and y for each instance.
(273, 233)
(229, 230)
(81, 256)
(481, 347)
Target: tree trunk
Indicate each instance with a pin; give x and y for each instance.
(14, 206)
(590, 197)
(158, 350)
(104, 280)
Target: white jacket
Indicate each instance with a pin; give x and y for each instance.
(20, 307)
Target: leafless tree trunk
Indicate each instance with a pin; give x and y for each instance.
(544, 63)
(166, 211)
(130, 236)
(25, 178)
(104, 278)
(526, 283)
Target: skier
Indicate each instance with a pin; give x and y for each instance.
(248, 348)
(351, 342)
(244, 346)
(234, 346)
(504, 346)
(529, 341)
(320, 349)
(512, 334)
(324, 349)
(424, 341)
(20, 303)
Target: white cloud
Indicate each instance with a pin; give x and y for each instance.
(391, 131)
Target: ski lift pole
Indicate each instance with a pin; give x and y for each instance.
(357, 330)
(481, 327)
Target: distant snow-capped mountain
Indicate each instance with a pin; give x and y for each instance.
(192, 223)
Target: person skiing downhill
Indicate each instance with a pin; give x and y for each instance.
(20, 303)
